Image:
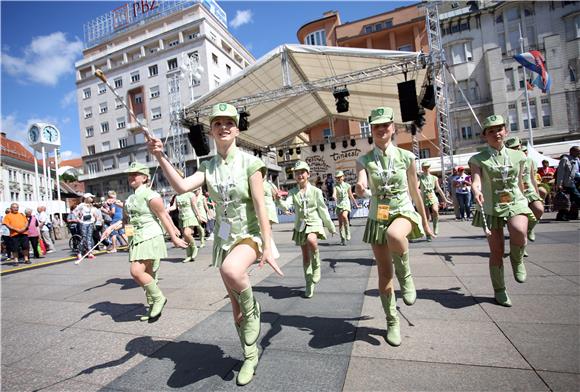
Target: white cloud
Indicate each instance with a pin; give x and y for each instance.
(242, 17)
(45, 60)
(68, 154)
(18, 130)
(69, 99)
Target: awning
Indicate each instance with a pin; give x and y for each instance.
(290, 89)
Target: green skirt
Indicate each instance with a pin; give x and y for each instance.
(189, 222)
(532, 196)
(151, 249)
(299, 238)
(430, 199)
(498, 222)
(338, 210)
(376, 231)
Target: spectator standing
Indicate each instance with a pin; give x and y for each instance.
(201, 212)
(567, 175)
(547, 180)
(6, 236)
(33, 232)
(115, 211)
(451, 189)
(210, 216)
(17, 223)
(45, 226)
(461, 185)
(87, 215)
(329, 182)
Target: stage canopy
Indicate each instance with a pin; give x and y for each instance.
(290, 89)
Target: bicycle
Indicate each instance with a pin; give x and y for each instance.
(76, 243)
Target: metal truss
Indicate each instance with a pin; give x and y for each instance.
(177, 140)
(325, 84)
(438, 79)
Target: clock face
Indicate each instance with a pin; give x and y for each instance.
(33, 134)
(50, 134)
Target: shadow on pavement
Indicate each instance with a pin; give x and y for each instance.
(125, 284)
(193, 361)
(280, 292)
(449, 298)
(324, 331)
(360, 261)
(448, 256)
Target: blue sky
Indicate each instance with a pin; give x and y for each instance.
(41, 40)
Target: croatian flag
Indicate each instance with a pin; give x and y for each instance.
(534, 61)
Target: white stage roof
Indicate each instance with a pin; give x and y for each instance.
(290, 89)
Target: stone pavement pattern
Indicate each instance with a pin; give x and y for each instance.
(74, 328)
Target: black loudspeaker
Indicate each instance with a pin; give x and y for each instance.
(428, 101)
(408, 100)
(198, 139)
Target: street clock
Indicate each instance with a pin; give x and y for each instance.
(43, 135)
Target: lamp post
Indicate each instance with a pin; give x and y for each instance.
(192, 69)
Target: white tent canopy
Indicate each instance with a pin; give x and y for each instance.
(290, 89)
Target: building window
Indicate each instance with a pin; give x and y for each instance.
(104, 127)
(388, 24)
(514, 39)
(158, 133)
(214, 58)
(173, 43)
(317, 38)
(365, 129)
(192, 35)
(368, 29)
(532, 113)
(572, 70)
(135, 77)
(93, 167)
(155, 113)
(216, 81)
(466, 133)
(87, 93)
(461, 53)
(109, 163)
(89, 131)
(153, 70)
(378, 26)
(521, 78)
(513, 117)
(138, 98)
(228, 70)
(573, 28)
(546, 112)
(501, 42)
(121, 123)
(327, 134)
(172, 64)
(154, 92)
(118, 82)
(123, 142)
(424, 153)
(105, 146)
(513, 14)
(406, 48)
(91, 150)
(509, 79)
(102, 88)
(88, 112)
(118, 103)
(499, 19)
(103, 107)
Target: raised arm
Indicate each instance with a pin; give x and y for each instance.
(181, 185)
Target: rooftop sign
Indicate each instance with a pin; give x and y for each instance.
(136, 13)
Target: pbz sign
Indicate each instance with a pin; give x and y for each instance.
(128, 14)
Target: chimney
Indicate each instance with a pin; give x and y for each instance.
(3, 134)
(329, 13)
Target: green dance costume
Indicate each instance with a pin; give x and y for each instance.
(200, 204)
(503, 200)
(187, 218)
(427, 183)
(147, 243)
(269, 190)
(387, 174)
(228, 182)
(311, 217)
(343, 204)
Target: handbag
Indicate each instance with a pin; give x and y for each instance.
(561, 201)
(41, 246)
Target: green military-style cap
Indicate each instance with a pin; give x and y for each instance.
(493, 120)
(425, 164)
(301, 165)
(224, 110)
(513, 142)
(137, 167)
(381, 115)
(339, 173)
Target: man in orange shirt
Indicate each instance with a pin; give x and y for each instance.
(18, 225)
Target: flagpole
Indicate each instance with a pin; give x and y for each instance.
(530, 131)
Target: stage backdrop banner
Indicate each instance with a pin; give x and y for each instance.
(330, 161)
